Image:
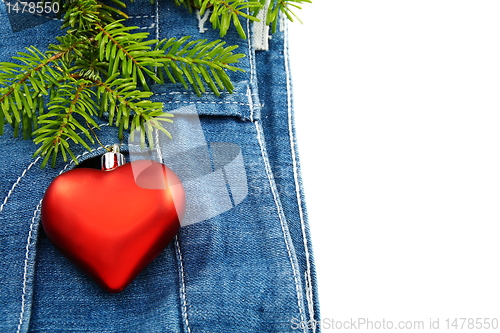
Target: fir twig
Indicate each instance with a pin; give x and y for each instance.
(95, 71)
(285, 7)
(226, 11)
(102, 68)
(198, 61)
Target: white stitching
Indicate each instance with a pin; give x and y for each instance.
(282, 21)
(25, 274)
(296, 178)
(157, 20)
(142, 16)
(199, 102)
(281, 216)
(44, 16)
(190, 93)
(17, 183)
(150, 27)
(183, 283)
(309, 297)
(250, 102)
(130, 17)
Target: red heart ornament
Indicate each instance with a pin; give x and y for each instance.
(112, 224)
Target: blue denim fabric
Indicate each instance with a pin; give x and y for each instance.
(249, 269)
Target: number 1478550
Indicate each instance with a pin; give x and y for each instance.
(33, 7)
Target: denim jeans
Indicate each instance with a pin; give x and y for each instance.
(247, 269)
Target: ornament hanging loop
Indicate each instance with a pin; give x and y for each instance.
(112, 159)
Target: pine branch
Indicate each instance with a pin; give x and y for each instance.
(226, 11)
(125, 105)
(81, 15)
(22, 87)
(122, 103)
(282, 6)
(127, 52)
(73, 104)
(97, 66)
(199, 62)
(94, 71)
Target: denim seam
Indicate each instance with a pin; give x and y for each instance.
(145, 28)
(142, 16)
(25, 272)
(182, 291)
(178, 253)
(189, 93)
(157, 20)
(307, 274)
(250, 56)
(45, 16)
(286, 236)
(17, 183)
(199, 102)
(182, 283)
(250, 104)
(139, 16)
(283, 21)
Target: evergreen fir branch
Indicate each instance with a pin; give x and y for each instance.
(70, 46)
(81, 15)
(146, 122)
(198, 62)
(127, 52)
(282, 6)
(126, 106)
(226, 11)
(23, 84)
(60, 124)
(96, 69)
(122, 103)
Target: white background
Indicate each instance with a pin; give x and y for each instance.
(398, 122)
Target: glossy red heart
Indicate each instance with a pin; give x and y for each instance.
(112, 224)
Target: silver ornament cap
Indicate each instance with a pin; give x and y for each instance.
(112, 159)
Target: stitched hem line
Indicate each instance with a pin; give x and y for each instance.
(288, 244)
(17, 183)
(183, 283)
(26, 263)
